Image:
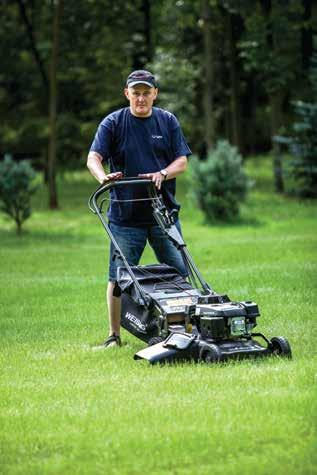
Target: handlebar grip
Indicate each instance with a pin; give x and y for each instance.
(108, 185)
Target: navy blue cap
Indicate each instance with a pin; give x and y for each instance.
(141, 77)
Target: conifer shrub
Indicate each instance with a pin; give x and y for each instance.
(219, 183)
(16, 189)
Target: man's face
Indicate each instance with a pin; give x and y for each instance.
(141, 98)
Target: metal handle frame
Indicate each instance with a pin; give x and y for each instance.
(96, 209)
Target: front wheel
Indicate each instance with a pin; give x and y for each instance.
(210, 354)
(281, 347)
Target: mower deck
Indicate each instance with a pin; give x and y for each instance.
(199, 350)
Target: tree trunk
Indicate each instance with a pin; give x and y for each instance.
(209, 76)
(276, 101)
(18, 228)
(34, 50)
(251, 122)
(307, 35)
(234, 83)
(143, 45)
(51, 163)
(18, 222)
(146, 8)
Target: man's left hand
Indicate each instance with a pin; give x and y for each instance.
(156, 177)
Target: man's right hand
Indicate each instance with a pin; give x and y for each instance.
(94, 164)
(112, 177)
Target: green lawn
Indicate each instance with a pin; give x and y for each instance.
(68, 410)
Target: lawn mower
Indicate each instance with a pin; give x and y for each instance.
(181, 318)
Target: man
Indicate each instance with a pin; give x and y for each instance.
(139, 140)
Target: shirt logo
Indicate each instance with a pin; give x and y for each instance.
(157, 136)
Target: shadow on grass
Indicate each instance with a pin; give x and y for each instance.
(248, 221)
(9, 238)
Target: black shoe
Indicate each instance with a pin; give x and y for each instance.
(111, 341)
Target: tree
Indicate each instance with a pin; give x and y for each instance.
(178, 67)
(303, 144)
(307, 34)
(233, 28)
(269, 49)
(51, 162)
(33, 45)
(219, 183)
(208, 83)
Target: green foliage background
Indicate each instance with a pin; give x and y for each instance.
(101, 41)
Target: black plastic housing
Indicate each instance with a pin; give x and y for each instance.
(212, 327)
(251, 308)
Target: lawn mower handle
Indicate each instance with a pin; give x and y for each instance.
(167, 226)
(92, 202)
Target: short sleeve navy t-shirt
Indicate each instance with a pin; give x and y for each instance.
(136, 145)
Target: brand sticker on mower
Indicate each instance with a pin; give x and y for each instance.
(135, 321)
(178, 302)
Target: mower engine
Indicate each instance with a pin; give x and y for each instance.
(226, 320)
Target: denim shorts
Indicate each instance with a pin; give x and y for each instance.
(132, 241)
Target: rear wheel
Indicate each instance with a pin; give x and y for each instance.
(281, 346)
(210, 354)
(155, 340)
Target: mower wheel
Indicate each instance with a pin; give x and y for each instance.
(281, 346)
(210, 354)
(155, 340)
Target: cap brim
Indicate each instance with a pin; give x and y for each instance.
(134, 83)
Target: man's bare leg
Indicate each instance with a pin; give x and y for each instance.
(114, 310)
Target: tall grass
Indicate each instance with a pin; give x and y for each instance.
(65, 409)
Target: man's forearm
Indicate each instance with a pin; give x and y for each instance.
(176, 168)
(94, 164)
